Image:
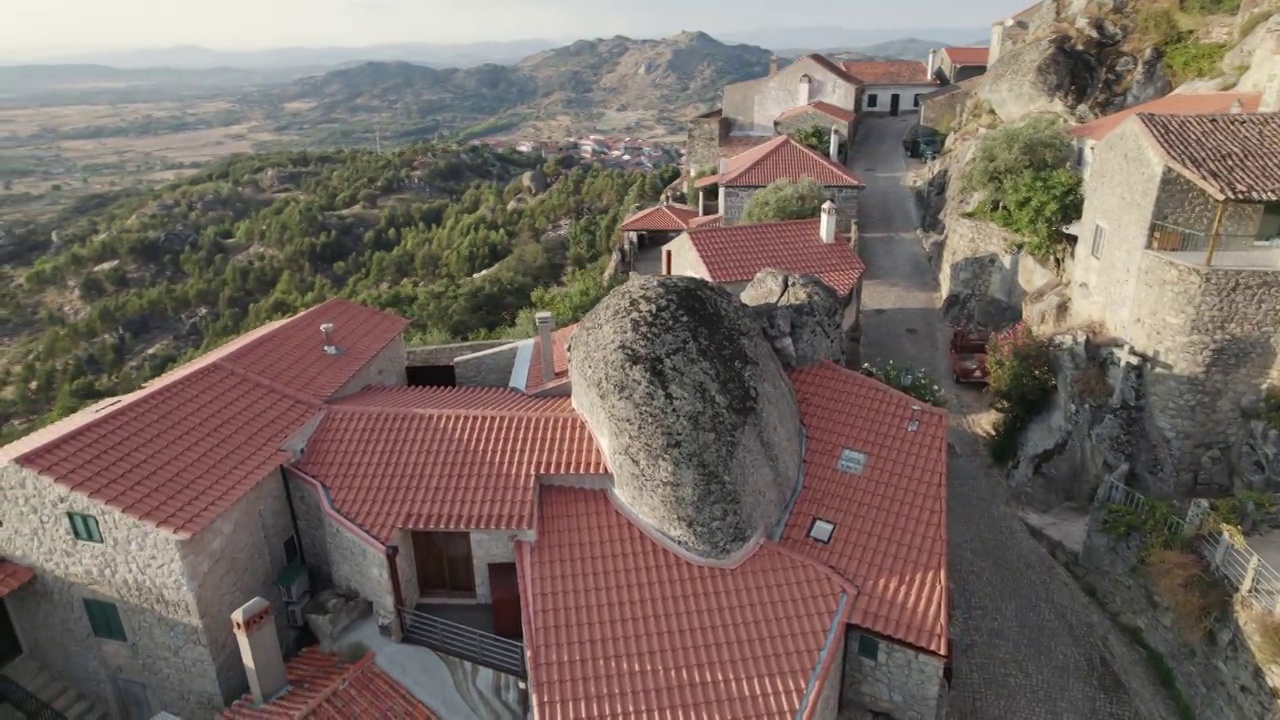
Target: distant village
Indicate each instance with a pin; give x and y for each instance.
(621, 152)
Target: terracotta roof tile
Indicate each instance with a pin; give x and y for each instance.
(1176, 104)
(559, 348)
(827, 64)
(499, 399)
(447, 469)
(737, 144)
(737, 252)
(706, 221)
(183, 450)
(13, 576)
(1233, 156)
(323, 687)
(619, 626)
(825, 108)
(967, 55)
(658, 218)
(889, 72)
(780, 158)
(890, 537)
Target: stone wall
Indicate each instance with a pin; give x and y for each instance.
(752, 106)
(702, 148)
(490, 368)
(827, 706)
(137, 567)
(903, 683)
(943, 108)
(232, 561)
(733, 201)
(1218, 674)
(446, 354)
(811, 118)
(976, 260)
(1184, 204)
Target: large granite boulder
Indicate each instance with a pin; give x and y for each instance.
(799, 316)
(692, 410)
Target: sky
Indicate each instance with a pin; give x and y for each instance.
(33, 28)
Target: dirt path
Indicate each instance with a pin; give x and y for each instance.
(1027, 643)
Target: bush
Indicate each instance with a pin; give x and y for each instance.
(1186, 583)
(1185, 58)
(785, 199)
(1021, 381)
(818, 139)
(909, 380)
(1188, 59)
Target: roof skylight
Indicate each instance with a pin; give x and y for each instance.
(822, 530)
(851, 461)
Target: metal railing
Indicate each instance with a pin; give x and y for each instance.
(463, 642)
(25, 701)
(1253, 578)
(1166, 237)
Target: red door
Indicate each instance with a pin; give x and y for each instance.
(505, 589)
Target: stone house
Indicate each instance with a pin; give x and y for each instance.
(653, 227)
(146, 519)
(751, 107)
(957, 64)
(843, 123)
(892, 87)
(732, 256)
(727, 192)
(1179, 254)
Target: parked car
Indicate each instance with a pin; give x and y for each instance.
(916, 133)
(927, 148)
(969, 356)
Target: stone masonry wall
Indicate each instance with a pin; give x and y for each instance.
(446, 354)
(490, 368)
(941, 109)
(810, 118)
(1218, 674)
(975, 259)
(385, 368)
(902, 683)
(1182, 203)
(1213, 334)
(137, 567)
(735, 201)
(828, 703)
(234, 560)
(702, 149)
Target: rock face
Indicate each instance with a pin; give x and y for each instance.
(692, 410)
(799, 316)
(986, 312)
(534, 181)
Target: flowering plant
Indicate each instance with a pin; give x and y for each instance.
(1020, 371)
(909, 380)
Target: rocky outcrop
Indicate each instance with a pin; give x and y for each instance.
(1255, 461)
(983, 312)
(799, 316)
(535, 181)
(691, 408)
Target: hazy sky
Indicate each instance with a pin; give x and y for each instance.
(32, 27)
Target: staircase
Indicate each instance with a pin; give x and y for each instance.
(64, 699)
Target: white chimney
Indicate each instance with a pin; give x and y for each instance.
(773, 65)
(933, 64)
(1237, 107)
(806, 85)
(329, 347)
(827, 223)
(1270, 101)
(834, 150)
(546, 325)
(255, 629)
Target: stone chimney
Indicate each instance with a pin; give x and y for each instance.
(933, 64)
(255, 629)
(546, 325)
(834, 150)
(330, 348)
(1270, 101)
(827, 223)
(773, 65)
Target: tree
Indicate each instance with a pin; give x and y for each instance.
(818, 139)
(368, 199)
(8, 185)
(785, 199)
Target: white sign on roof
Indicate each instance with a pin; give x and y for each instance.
(851, 461)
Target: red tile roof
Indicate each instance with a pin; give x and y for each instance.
(323, 687)
(707, 221)
(737, 252)
(658, 218)
(890, 537)
(826, 63)
(1232, 156)
(559, 348)
(498, 399)
(13, 576)
(427, 468)
(619, 626)
(780, 158)
(735, 145)
(825, 108)
(889, 72)
(184, 450)
(1176, 104)
(967, 55)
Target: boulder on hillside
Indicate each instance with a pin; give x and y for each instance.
(692, 410)
(982, 312)
(535, 181)
(799, 316)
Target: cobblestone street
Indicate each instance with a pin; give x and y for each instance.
(1028, 644)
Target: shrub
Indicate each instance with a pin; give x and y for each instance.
(1188, 59)
(1185, 58)
(818, 139)
(1186, 583)
(1020, 371)
(785, 199)
(1002, 445)
(912, 381)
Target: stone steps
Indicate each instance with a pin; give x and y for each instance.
(56, 693)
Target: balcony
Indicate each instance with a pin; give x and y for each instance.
(1196, 247)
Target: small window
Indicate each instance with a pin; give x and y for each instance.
(1099, 240)
(1079, 156)
(291, 550)
(85, 527)
(821, 530)
(868, 648)
(873, 100)
(104, 618)
(915, 101)
(851, 461)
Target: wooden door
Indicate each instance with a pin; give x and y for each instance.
(504, 587)
(133, 701)
(444, 564)
(10, 647)
(895, 101)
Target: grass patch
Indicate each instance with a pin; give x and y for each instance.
(1196, 598)
(1172, 28)
(1264, 630)
(1189, 59)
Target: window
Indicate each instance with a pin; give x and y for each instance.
(821, 530)
(915, 101)
(291, 552)
(1099, 240)
(868, 648)
(1079, 156)
(444, 564)
(873, 100)
(85, 527)
(104, 618)
(851, 461)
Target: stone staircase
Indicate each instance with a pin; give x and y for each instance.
(41, 682)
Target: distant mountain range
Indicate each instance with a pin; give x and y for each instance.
(902, 49)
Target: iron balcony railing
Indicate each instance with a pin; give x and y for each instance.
(463, 642)
(1166, 237)
(11, 693)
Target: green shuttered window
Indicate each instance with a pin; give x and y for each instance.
(104, 618)
(85, 527)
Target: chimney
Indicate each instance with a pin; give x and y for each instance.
(806, 85)
(255, 630)
(546, 325)
(329, 347)
(933, 64)
(1270, 101)
(834, 150)
(827, 223)
(773, 65)
(1237, 107)
(914, 423)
